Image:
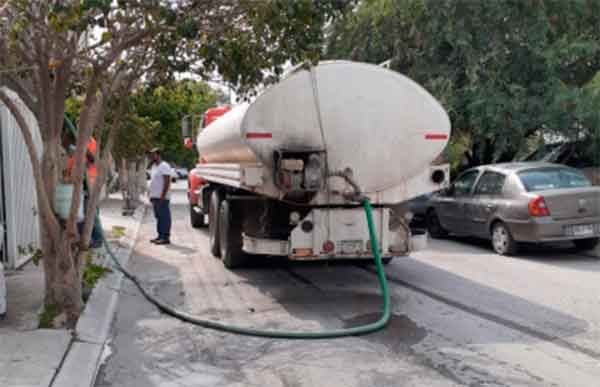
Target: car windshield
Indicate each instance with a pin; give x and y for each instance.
(552, 178)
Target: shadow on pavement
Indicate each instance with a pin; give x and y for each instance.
(477, 298)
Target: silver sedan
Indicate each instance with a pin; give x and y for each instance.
(519, 202)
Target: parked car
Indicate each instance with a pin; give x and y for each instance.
(182, 173)
(519, 202)
(418, 207)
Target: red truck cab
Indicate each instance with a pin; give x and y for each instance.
(195, 182)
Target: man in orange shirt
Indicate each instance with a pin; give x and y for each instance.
(91, 175)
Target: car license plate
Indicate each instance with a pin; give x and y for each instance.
(582, 229)
(352, 247)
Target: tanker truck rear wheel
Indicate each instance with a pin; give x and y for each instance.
(230, 235)
(213, 222)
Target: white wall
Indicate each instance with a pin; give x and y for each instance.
(21, 200)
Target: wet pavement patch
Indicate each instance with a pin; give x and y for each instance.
(399, 334)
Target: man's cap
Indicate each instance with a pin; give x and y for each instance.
(154, 150)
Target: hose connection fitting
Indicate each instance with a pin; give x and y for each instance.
(356, 195)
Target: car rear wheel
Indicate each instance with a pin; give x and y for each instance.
(434, 227)
(586, 244)
(213, 223)
(502, 240)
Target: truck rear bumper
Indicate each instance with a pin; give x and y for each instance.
(336, 234)
(281, 247)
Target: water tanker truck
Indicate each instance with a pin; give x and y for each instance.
(283, 175)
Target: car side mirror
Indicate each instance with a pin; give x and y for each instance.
(449, 191)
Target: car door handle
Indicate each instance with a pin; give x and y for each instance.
(490, 207)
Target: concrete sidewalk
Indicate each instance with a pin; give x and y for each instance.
(47, 357)
(28, 356)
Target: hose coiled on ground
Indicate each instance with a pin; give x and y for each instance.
(353, 331)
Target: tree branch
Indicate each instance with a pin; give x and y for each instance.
(23, 91)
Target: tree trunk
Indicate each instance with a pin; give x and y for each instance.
(124, 184)
(67, 287)
(133, 182)
(62, 279)
(61, 270)
(142, 181)
(49, 263)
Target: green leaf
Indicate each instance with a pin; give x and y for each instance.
(106, 36)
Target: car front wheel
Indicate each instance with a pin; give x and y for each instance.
(434, 227)
(502, 240)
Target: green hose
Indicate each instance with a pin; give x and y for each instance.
(355, 331)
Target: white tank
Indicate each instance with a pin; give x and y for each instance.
(380, 124)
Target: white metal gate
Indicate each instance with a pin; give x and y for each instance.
(20, 199)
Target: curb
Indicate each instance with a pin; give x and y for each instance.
(92, 333)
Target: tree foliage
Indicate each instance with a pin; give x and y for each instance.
(100, 50)
(166, 105)
(505, 70)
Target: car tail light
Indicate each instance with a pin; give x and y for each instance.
(538, 207)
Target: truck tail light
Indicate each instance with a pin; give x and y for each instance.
(303, 252)
(328, 246)
(538, 207)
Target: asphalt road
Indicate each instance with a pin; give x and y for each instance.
(462, 316)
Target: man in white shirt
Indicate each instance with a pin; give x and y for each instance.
(160, 183)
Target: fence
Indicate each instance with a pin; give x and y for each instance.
(20, 216)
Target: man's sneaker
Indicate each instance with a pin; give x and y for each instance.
(155, 240)
(162, 242)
